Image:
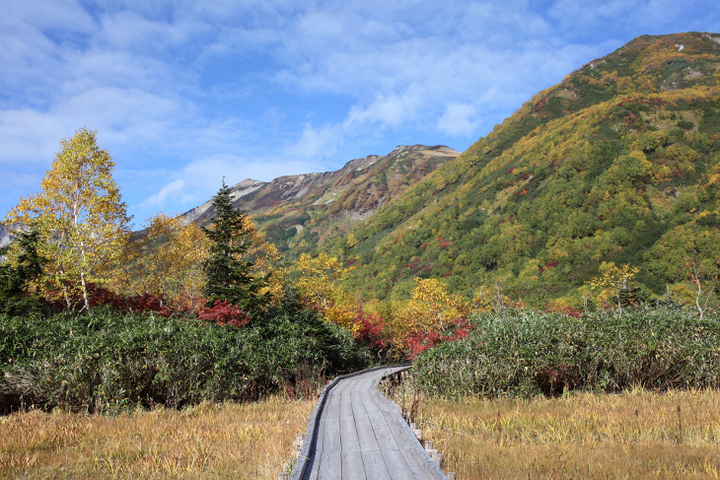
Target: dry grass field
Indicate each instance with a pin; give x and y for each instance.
(633, 435)
(249, 441)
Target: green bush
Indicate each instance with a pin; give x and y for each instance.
(523, 352)
(111, 360)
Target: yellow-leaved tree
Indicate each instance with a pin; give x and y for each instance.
(615, 281)
(316, 280)
(430, 307)
(165, 260)
(80, 216)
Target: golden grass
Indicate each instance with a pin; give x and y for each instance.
(235, 441)
(636, 434)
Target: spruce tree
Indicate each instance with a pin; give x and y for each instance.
(18, 280)
(228, 270)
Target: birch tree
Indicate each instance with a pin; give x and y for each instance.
(80, 216)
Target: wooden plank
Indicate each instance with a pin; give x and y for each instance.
(331, 429)
(375, 467)
(330, 467)
(346, 404)
(332, 407)
(359, 436)
(366, 433)
(382, 431)
(415, 464)
(356, 400)
(348, 435)
(397, 466)
(368, 402)
(352, 465)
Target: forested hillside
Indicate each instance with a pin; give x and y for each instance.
(620, 162)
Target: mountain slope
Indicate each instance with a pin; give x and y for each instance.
(613, 164)
(299, 211)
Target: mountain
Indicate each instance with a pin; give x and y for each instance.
(298, 212)
(5, 237)
(619, 162)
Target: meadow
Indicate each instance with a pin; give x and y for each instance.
(209, 440)
(634, 434)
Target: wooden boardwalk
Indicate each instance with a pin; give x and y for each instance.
(355, 433)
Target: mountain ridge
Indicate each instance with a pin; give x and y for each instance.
(334, 199)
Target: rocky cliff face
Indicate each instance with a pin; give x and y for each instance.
(317, 203)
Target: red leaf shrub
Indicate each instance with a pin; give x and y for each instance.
(224, 313)
(420, 340)
(368, 330)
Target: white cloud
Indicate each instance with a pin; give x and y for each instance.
(173, 189)
(200, 179)
(389, 110)
(314, 142)
(459, 119)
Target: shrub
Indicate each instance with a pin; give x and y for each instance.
(522, 352)
(114, 360)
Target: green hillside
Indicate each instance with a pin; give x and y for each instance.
(619, 162)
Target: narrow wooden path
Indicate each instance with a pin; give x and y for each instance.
(355, 433)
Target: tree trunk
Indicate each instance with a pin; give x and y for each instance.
(84, 291)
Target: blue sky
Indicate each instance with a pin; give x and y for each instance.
(184, 93)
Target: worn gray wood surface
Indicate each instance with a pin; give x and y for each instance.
(360, 435)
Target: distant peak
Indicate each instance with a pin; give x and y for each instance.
(418, 147)
(248, 182)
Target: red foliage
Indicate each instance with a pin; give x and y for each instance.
(548, 266)
(419, 340)
(509, 170)
(224, 313)
(369, 329)
(221, 312)
(99, 296)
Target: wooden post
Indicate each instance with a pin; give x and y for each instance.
(298, 443)
(283, 476)
(452, 476)
(437, 458)
(428, 445)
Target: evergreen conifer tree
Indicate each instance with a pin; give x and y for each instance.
(228, 270)
(18, 280)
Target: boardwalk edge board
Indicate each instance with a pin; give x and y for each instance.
(417, 448)
(298, 470)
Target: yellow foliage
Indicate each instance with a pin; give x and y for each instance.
(488, 299)
(613, 281)
(265, 257)
(435, 304)
(681, 293)
(165, 259)
(317, 282)
(80, 216)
